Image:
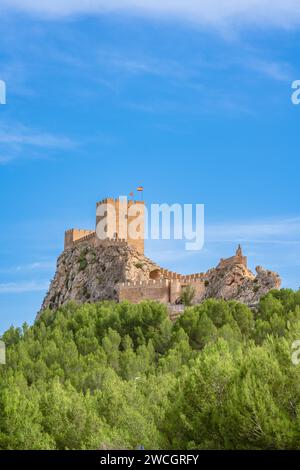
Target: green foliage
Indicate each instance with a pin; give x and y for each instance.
(82, 260)
(112, 376)
(187, 295)
(139, 265)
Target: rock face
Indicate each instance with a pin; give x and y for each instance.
(237, 282)
(114, 271)
(88, 274)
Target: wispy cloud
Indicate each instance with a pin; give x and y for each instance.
(36, 266)
(5, 159)
(25, 136)
(284, 13)
(14, 138)
(23, 287)
(270, 243)
(141, 65)
(253, 233)
(16, 72)
(272, 231)
(275, 70)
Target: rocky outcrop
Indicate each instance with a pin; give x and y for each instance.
(237, 282)
(87, 273)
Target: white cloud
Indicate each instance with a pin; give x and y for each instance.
(141, 64)
(284, 232)
(270, 243)
(36, 266)
(275, 70)
(283, 13)
(21, 135)
(272, 231)
(22, 287)
(15, 137)
(5, 159)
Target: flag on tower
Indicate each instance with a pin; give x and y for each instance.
(140, 189)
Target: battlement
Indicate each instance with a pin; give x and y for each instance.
(163, 290)
(86, 238)
(113, 201)
(165, 273)
(151, 289)
(74, 236)
(79, 231)
(111, 241)
(107, 200)
(147, 283)
(91, 238)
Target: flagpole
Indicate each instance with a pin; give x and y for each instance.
(140, 189)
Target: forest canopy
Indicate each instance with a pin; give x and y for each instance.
(117, 376)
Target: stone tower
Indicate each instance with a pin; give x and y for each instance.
(239, 251)
(120, 219)
(240, 257)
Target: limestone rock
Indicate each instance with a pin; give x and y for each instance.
(86, 273)
(237, 282)
(89, 272)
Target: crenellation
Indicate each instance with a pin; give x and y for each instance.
(85, 238)
(73, 236)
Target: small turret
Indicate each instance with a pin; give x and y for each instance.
(239, 251)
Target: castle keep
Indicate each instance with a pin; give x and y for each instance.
(116, 216)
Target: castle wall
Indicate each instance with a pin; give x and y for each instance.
(175, 290)
(163, 290)
(176, 287)
(137, 291)
(184, 278)
(200, 289)
(74, 235)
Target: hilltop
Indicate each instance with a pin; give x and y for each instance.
(114, 270)
(93, 268)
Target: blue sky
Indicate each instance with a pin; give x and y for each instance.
(190, 99)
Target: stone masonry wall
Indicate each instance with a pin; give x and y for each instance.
(74, 235)
(137, 291)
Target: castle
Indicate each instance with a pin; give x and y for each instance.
(118, 217)
(160, 284)
(109, 263)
